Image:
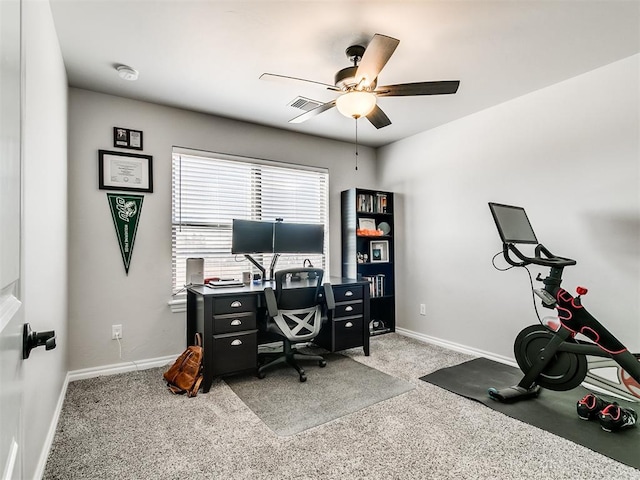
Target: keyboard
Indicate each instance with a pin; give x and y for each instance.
(224, 283)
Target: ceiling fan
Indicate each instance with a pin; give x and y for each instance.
(357, 85)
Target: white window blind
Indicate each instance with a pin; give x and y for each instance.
(210, 190)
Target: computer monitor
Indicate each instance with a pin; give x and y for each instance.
(513, 224)
(251, 236)
(298, 238)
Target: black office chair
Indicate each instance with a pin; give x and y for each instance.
(295, 312)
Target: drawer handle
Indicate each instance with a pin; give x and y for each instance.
(236, 304)
(236, 322)
(348, 325)
(348, 309)
(236, 343)
(348, 293)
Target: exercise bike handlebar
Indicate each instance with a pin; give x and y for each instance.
(549, 259)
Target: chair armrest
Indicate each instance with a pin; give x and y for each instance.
(272, 305)
(328, 296)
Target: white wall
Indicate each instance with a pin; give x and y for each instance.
(570, 155)
(100, 293)
(44, 231)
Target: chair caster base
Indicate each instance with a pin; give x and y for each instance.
(289, 357)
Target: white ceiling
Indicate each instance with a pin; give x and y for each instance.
(207, 56)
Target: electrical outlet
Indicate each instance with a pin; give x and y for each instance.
(116, 332)
(423, 309)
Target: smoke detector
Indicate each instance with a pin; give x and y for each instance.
(127, 73)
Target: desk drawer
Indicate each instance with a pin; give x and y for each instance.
(235, 303)
(234, 322)
(348, 333)
(348, 309)
(235, 352)
(344, 294)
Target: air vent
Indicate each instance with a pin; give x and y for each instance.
(305, 104)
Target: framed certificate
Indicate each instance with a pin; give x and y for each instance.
(366, 224)
(127, 138)
(125, 171)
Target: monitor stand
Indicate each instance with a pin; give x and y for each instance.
(263, 270)
(258, 266)
(272, 268)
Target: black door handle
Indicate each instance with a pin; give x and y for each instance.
(31, 340)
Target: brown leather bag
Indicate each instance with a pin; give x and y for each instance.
(185, 375)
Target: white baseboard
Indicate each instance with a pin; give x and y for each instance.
(121, 368)
(456, 346)
(48, 441)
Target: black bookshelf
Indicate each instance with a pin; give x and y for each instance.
(368, 250)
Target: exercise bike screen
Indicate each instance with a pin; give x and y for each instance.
(513, 224)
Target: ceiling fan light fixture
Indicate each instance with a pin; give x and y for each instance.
(356, 104)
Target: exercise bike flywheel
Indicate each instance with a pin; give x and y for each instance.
(565, 371)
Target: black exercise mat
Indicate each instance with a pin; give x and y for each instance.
(552, 411)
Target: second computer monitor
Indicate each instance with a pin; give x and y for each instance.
(298, 238)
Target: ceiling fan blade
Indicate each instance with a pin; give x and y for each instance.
(276, 77)
(418, 88)
(312, 113)
(378, 118)
(375, 57)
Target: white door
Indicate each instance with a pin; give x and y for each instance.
(11, 311)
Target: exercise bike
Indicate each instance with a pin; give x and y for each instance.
(549, 354)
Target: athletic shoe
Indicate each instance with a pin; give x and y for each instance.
(613, 418)
(590, 406)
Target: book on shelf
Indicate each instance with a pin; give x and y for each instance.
(376, 284)
(370, 203)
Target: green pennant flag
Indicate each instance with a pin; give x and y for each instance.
(125, 211)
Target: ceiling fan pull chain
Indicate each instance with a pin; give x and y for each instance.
(356, 119)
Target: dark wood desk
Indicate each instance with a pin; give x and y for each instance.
(227, 319)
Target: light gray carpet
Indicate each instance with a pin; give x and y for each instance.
(128, 427)
(342, 387)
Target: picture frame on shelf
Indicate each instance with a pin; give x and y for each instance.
(367, 223)
(125, 171)
(379, 251)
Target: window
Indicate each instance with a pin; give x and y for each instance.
(210, 190)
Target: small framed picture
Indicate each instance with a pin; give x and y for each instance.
(125, 171)
(366, 224)
(379, 251)
(127, 138)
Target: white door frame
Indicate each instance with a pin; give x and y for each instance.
(11, 308)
